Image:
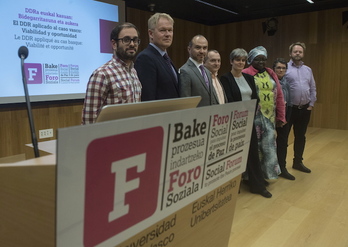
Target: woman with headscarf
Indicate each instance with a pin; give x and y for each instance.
(239, 87)
(270, 112)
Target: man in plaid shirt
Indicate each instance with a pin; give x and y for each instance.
(115, 82)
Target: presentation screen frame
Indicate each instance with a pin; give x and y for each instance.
(83, 41)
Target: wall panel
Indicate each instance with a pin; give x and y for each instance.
(14, 123)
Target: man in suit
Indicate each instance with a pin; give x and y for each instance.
(195, 79)
(156, 72)
(213, 62)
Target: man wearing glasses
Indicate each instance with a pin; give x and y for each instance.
(158, 76)
(115, 82)
(280, 66)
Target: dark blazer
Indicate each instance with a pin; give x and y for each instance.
(232, 90)
(193, 84)
(253, 167)
(156, 77)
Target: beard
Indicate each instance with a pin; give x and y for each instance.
(124, 55)
(296, 58)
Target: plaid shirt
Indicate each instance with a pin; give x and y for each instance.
(112, 83)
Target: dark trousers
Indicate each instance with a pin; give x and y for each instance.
(253, 167)
(282, 139)
(299, 121)
(282, 145)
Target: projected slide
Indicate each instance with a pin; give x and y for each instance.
(67, 40)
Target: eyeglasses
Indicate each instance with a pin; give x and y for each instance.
(281, 68)
(127, 40)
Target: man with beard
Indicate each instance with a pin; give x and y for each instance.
(115, 82)
(158, 76)
(303, 96)
(195, 79)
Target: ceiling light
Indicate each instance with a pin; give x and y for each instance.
(310, 1)
(214, 6)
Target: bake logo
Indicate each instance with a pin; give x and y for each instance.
(122, 182)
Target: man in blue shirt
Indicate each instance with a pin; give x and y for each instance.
(303, 97)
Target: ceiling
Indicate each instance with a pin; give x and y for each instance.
(211, 13)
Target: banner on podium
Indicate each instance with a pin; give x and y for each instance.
(150, 180)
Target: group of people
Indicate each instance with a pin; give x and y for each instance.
(285, 94)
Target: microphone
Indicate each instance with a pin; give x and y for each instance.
(23, 53)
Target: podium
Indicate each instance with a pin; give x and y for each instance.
(45, 148)
(44, 202)
(27, 202)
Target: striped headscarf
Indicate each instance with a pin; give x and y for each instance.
(259, 50)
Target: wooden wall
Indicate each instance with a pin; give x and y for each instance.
(14, 123)
(327, 54)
